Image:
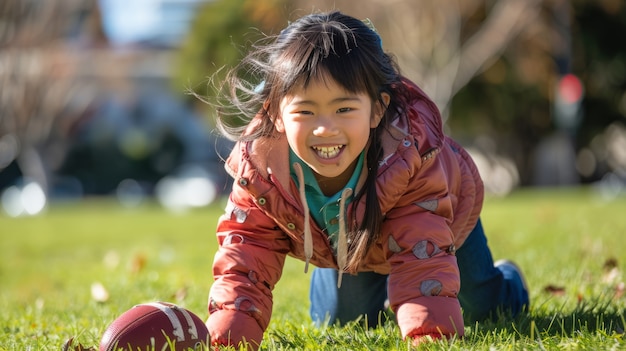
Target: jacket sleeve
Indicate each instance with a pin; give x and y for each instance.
(424, 277)
(246, 267)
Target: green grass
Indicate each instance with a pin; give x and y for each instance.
(563, 240)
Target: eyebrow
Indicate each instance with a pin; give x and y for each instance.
(334, 101)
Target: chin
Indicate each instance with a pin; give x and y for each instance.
(327, 174)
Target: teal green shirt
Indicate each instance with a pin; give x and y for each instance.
(324, 209)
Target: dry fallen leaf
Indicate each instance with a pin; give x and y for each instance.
(111, 259)
(612, 273)
(138, 263)
(619, 290)
(555, 290)
(181, 294)
(69, 345)
(99, 293)
(610, 264)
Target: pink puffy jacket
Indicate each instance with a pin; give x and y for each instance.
(430, 192)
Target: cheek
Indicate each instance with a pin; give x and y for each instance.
(295, 134)
(362, 137)
(288, 127)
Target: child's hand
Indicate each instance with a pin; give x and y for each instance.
(425, 338)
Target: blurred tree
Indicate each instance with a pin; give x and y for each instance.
(599, 58)
(220, 36)
(40, 95)
(513, 100)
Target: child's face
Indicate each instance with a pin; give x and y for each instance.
(327, 127)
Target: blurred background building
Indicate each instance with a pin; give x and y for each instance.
(87, 106)
(95, 95)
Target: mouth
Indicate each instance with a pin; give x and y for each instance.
(327, 152)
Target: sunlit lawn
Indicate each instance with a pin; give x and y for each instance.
(571, 245)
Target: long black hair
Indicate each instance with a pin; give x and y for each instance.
(317, 46)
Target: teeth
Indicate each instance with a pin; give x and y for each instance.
(327, 152)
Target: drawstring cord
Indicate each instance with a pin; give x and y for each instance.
(308, 238)
(342, 240)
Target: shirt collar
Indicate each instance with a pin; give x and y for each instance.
(310, 182)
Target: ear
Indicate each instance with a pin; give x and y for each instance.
(379, 109)
(279, 125)
(278, 121)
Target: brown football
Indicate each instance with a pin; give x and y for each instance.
(156, 326)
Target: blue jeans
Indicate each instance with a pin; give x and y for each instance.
(485, 289)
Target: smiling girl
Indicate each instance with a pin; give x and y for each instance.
(342, 162)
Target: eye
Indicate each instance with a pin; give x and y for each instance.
(300, 112)
(344, 109)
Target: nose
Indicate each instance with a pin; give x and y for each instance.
(326, 126)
